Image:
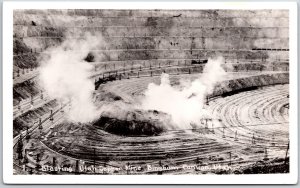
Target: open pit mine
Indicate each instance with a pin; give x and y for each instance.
(150, 92)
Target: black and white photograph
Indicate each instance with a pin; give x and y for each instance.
(163, 91)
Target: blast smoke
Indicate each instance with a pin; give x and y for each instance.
(184, 103)
(65, 76)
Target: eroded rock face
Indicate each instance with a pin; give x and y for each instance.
(134, 123)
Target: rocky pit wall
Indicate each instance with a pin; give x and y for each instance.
(247, 83)
(154, 35)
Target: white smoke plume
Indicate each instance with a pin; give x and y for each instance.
(185, 103)
(65, 76)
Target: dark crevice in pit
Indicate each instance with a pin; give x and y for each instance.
(134, 122)
(90, 57)
(128, 128)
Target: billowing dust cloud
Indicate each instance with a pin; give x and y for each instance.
(65, 76)
(185, 103)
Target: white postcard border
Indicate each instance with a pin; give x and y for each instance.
(8, 177)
